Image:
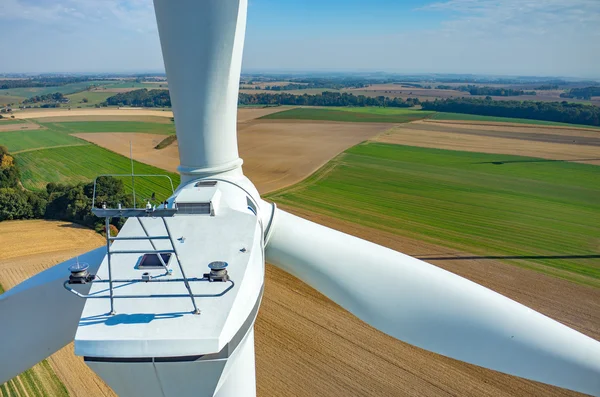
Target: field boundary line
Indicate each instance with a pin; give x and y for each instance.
(505, 124)
(51, 147)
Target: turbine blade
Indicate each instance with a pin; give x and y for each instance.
(431, 308)
(202, 44)
(39, 317)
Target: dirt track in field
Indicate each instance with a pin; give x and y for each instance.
(553, 143)
(276, 154)
(29, 247)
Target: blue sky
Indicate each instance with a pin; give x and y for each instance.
(508, 37)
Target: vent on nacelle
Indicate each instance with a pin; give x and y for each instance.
(194, 208)
(206, 184)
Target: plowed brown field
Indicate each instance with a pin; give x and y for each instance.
(276, 154)
(554, 143)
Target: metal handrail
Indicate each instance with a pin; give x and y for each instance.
(133, 187)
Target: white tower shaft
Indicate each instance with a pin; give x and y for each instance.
(202, 44)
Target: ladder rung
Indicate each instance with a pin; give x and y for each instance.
(140, 238)
(143, 252)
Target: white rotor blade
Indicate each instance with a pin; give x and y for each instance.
(431, 308)
(39, 317)
(202, 44)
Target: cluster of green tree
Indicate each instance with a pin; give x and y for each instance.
(547, 87)
(74, 202)
(562, 112)
(160, 98)
(40, 82)
(16, 202)
(143, 97)
(494, 91)
(62, 202)
(582, 93)
(325, 99)
(56, 97)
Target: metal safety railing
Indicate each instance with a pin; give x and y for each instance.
(79, 275)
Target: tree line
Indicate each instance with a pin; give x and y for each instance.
(71, 203)
(140, 98)
(40, 82)
(582, 93)
(563, 112)
(160, 98)
(325, 99)
(55, 97)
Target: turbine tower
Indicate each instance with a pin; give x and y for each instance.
(167, 308)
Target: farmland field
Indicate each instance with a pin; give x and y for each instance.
(38, 381)
(6, 98)
(17, 141)
(472, 117)
(368, 114)
(82, 164)
(94, 98)
(544, 215)
(28, 92)
(74, 127)
(6, 120)
(59, 133)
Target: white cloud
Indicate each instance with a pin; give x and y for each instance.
(126, 15)
(521, 17)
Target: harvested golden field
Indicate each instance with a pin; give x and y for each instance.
(116, 117)
(29, 247)
(107, 114)
(41, 113)
(552, 143)
(276, 153)
(19, 126)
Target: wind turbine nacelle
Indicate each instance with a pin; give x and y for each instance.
(182, 325)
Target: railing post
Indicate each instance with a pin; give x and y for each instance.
(110, 283)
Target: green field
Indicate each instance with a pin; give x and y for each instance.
(6, 119)
(6, 99)
(352, 114)
(40, 381)
(58, 134)
(73, 127)
(28, 92)
(82, 164)
(472, 117)
(94, 98)
(135, 85)
(482, 204)
(17, 141)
